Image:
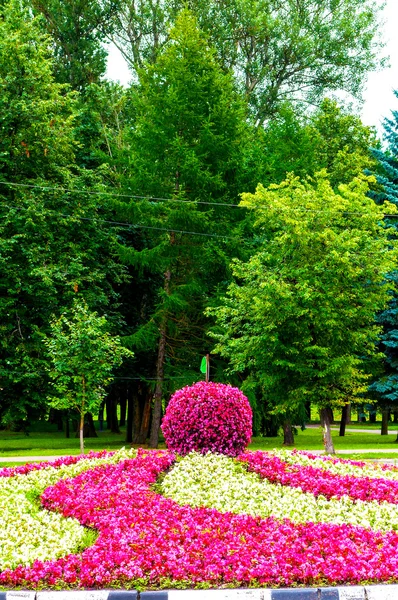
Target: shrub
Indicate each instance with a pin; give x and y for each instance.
(208, 417)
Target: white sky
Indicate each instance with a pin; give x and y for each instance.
(379, 99)
(378, 96)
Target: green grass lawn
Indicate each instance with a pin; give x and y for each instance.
(52, 442)
(311, 439)
(45, 440)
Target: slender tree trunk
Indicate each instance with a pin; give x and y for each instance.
(114, 422)
(343, 421)
(157, 397)
(67, 429)
(288, 437)
(81, 432)
(348, 419)
(327, 434)
(130, 408)
(89, 427)
(384, 421)
(145, 421)
(81, 435)
(108, 403)
(123, 410)
(138, 411)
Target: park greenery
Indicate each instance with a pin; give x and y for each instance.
(224, 202)
(82, 357)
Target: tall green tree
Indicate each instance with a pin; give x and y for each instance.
(385, 386)
(185, 148)
(83, 355)
(52, 244)
(78, 29)
(296, 51)
(300, 314)
(330, 138)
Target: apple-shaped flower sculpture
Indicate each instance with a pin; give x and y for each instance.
(208, 417)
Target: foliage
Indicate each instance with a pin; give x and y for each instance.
(385, 386)
(208, 417)
(300, 313)
(83, 354)
(279, 51)
(78, 29)
(330, 138)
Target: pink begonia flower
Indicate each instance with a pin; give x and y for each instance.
(208, 417)
(318, 481)
(145, 537)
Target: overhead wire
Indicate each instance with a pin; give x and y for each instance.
(116, 195)
(160, 198)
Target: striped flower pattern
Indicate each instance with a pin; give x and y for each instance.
(263, 519)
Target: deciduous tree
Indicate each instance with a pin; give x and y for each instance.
(300, 313)
(294, 50)
(83, 355)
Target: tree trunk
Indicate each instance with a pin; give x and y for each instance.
(348, 419)
(114, 422)
(384, 421)
(130, 408)
(343, 421)
(145, 422)
(81, 430)
(157, 397)
(330, 413)
(89, 427)
(327, 434)
(108, 403)
(288, 437)
(67, 429)
(111, 413)
(138, 411)
(123, 410)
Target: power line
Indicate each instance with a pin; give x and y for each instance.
(115, 195)
(170, 199)
(132, 225)
(154, 379)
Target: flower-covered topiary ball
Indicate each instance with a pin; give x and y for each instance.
(208, 417)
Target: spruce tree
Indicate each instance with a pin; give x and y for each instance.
(385, 387)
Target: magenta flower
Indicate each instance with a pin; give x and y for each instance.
(208, 417)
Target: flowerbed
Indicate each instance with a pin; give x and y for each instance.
(264, 519)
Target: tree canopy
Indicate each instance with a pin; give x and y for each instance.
(128, 198)
(300, 313)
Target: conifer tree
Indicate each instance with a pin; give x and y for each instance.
(185, 147)
(385, 387)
